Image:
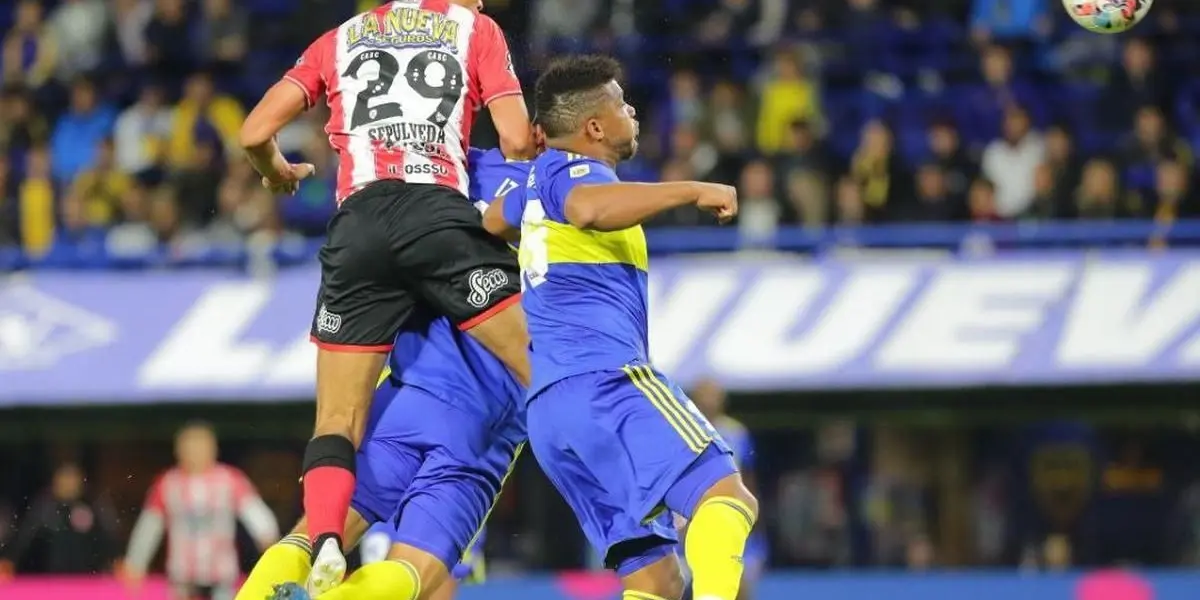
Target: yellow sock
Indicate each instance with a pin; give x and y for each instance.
(716, 539)
(634, 595)
(287, 560)
(385, 580)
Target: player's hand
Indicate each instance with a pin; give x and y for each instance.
(289, 180)
(718, 199)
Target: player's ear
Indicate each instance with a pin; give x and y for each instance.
(595, 130)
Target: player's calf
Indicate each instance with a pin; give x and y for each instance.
(716, 538)
(346, 383)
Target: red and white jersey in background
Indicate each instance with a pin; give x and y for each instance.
(403, 83)
(199, 514)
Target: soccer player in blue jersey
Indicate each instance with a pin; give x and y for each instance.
(620, 442)
(444, 428)
(710, 399)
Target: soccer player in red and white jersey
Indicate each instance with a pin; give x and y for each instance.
(197, 504)
(403, 83)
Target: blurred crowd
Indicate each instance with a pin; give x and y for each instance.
(118, 118)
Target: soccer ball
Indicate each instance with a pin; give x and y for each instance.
(1107, 16)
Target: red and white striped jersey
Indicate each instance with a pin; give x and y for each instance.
(403, 83)
(199, 513)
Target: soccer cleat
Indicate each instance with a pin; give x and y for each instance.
(328, 569)
(289, 591)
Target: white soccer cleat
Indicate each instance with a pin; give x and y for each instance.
(328, 569)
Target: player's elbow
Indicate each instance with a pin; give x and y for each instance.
(254, 134)
(518, 147)
(581, 211)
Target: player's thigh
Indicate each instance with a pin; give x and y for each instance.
(361, 301)
(640, 431)
(451, 262)
(451, 496)
(596, 491)
(391, 454)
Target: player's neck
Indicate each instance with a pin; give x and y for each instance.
(584, 147)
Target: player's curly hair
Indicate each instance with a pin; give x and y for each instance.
(570, 90)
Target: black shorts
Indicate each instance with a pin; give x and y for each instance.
(394, 247)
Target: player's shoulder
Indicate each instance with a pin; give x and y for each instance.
(556, 163)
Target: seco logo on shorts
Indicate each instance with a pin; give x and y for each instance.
(328, 322)
(483, 283)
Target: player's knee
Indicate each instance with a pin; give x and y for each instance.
(329, 450)
(733, 487)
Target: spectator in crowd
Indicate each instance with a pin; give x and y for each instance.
(848, 195)
(97, 192)
(202, 110)
(308, 211)
(1049, 202)
(244, 207)
(1099, 196)
(949, 155)
(197, 504)
(1150, 143)
(80, 29)
(807, 194)
(934, 201)
(36, 203)
(787, 96)
(64, 531)
(167, 51)
(1135, 84)
(1007, 20)
(981, 202)
(685, 103)
(802, 152)
(21, 127)
(29, 54)
(758, 214)
(1064, 163)
(986, 104)
(758, 22)
(223, 34)
(880, 173)
(78, 133)
(552, 23)
(131, 19)
(196, 182)
(1174, 196)
(10, 234)
(1009, 163)
(141, 132)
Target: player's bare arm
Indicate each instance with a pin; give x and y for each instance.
(495, 223)
(283, 102)
(511, 118)
(616, 206)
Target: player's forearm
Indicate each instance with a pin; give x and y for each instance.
(513, 127)
(265, 158)
(143, 542)
(616, 206)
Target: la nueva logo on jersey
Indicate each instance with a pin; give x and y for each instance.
(37, 330)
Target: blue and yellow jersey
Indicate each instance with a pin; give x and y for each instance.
(737, 437)
(492, 176)
(434, 355)
(584, 291)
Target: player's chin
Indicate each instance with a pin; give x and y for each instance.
(630, 149)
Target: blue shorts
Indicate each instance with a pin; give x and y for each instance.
(431, 470)
(621, 446)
